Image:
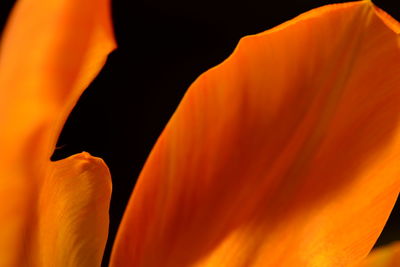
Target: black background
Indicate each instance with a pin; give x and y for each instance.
(162, 47)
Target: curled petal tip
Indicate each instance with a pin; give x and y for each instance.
(73, 219)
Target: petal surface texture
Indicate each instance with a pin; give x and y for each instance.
(286, 154)
(388, 256)
(50, 51)
(73, 210)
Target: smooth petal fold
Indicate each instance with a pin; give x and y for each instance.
(286, 154)
(388, 256)
(50, 51)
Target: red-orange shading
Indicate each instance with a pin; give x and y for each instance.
(286, 154)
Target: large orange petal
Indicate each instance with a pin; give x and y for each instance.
(50, 51)
(388, 256)
(286, 154)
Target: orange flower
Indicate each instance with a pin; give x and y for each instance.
(286, 154)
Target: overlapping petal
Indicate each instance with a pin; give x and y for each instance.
(388, 256)
(286, 154)
(50, 51)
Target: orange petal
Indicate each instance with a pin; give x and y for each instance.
(286, 154)
(50, 51)
(73, 206)
(388, 256)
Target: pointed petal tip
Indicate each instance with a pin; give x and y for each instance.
(386, 18)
